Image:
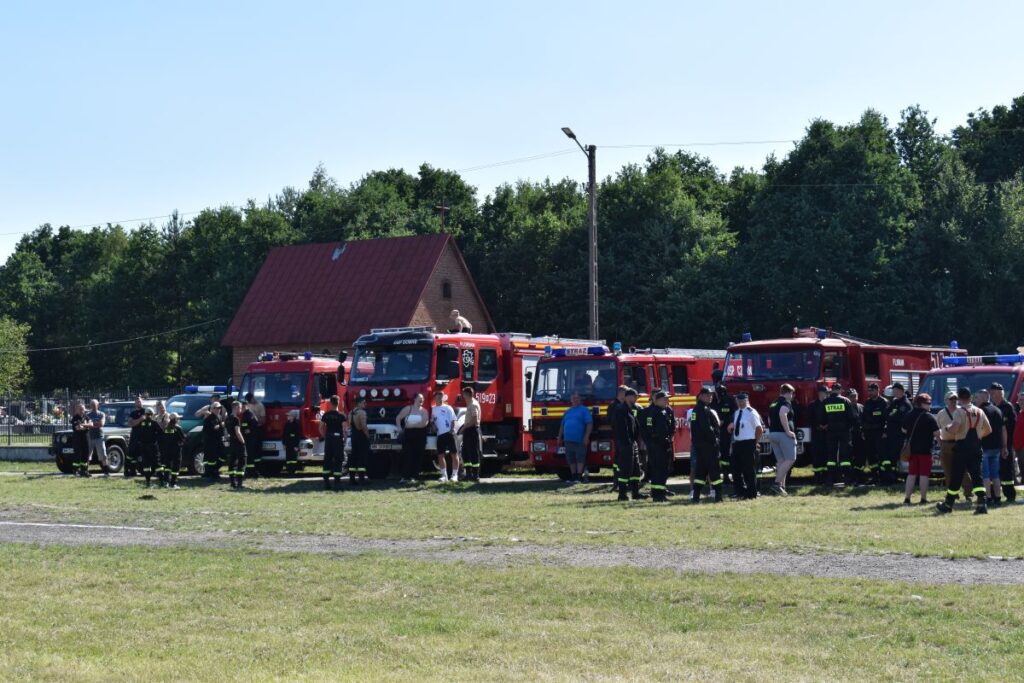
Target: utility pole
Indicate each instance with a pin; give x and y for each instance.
(591, 152)
(443, 209)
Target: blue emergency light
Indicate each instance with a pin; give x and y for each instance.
(207, 389)
(954, 345)
(748, 337)
(1002, 359)
(822, 334)
(547, 350)
(617, 347)
(308, 355)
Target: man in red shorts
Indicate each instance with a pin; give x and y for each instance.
(920, 429)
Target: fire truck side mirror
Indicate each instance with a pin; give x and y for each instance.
(342, 356)
(529, 383)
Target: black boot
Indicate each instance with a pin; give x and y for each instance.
(327, 483)
(695, 495)
(716, 493)
(634, 490)
(337, 483)
(351, 478)
(174, 481)
(622, 492)
(362, 478)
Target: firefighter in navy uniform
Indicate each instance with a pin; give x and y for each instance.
(291, 437)
(819, 444)
(840, 421)
(213, 443)
(236, 446)
(627, 447)
(857, 439)
(332, 432)
(725, 406)
(873, 429)
(620, 400)
(360, 433)
(894, 437)
(133, 463)
(172, 440)
(660, 424)
(253, 445)
(149, 438)
(705, 428)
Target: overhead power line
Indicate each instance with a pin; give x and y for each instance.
(92, 345)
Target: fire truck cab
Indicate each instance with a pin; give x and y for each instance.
(596, 374)
(975, 372)
(391, 365)
(817, 356)
(287, 381)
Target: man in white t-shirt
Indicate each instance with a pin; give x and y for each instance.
(442, 419)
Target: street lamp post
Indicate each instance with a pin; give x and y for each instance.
(591, 152)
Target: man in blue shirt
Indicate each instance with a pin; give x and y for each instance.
(574, 434)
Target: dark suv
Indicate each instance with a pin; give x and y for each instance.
(115, 433)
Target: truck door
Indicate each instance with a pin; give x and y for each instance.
(486, 381)
(448, 372)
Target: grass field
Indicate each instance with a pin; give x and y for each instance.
(520, 510)
(93, 614)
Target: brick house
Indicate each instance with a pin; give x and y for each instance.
(322, 297)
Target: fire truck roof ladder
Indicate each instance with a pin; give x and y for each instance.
(696, 353)
(398, 330)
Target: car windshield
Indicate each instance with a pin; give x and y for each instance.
(938, 385)
(390, 364)
(771, 365)
(117, 413)
(275, 389)
(186, 405)
(594, 380)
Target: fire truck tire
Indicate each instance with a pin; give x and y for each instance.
(271, 469)
(379, 466)
(563, 473)
(490, 467)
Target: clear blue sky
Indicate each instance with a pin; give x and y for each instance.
(119, 110)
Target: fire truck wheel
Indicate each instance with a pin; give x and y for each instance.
(271, 469)
(490, 467)
(379, 466)
(563, 473)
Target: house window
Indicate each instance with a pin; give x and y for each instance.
(446, 290)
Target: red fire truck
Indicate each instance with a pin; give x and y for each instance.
(595, 373)
(390, 366)
(287, 381)
(816, 356)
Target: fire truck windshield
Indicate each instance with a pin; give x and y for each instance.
(274, 389)
(803, 364)
(594, 380)
(390, 364)
(940, 384)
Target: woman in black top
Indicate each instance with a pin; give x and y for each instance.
(920, 428)
(80, 440)
(413, 421)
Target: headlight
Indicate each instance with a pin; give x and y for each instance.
(539, 447)
(362, 392)
(398, 393)
(386, 392)
(604, 446)
(373, 393)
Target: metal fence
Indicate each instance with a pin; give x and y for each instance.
(32, 419)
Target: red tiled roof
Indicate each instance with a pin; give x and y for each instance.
(303, 295)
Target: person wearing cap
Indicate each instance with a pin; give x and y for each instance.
(894, 416)
(149, 440)
(746, 429)
(661, 428)
(992, 448)
(944, 418)
(782, 436)
(626, 429)
(725, 406)
(840, 419)
(291, 437)
(873, 427)
(969, 427)
(172, 440)
(705, 428)
(213, 441)
(819, 445)
(1007, 463)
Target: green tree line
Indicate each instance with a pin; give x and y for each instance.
(890, 231)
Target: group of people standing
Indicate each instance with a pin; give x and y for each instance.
(240, 425)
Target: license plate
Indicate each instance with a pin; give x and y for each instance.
(561, 450)
(380, 447)
(269, 446)
(68, 451)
